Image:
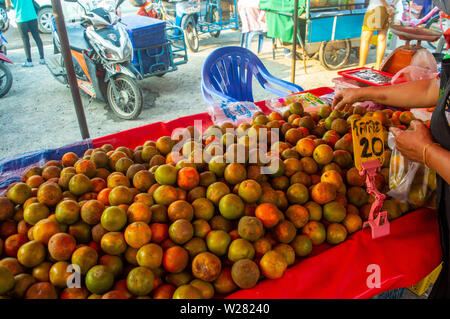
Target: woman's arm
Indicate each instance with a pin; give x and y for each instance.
(415, 94)
(438, 159)
(411, 143)
(389, 8)
(8, 4)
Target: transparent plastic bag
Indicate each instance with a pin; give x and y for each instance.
(410, 181)
(235, 112)
(281, 104)
(328, 98)
(413, 73)
(278, 104)
(423, 66)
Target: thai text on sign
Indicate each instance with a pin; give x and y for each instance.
(368, 144)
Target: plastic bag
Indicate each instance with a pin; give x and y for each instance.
(410, 181)
(328, 98)
(12, 168)
(344, 83)
(235, 112)
(413, 73)
(281, 104)
(423, 66)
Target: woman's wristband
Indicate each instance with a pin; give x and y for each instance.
(424, 153)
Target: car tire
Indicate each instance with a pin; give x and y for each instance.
(44, 19)
(5, 16)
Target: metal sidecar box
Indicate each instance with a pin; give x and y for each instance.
(158, 48)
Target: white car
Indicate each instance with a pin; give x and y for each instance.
(71, 10)
(45, 15)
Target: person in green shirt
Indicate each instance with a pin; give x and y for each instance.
(26, 19)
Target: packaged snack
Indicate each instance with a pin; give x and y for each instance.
(328, 98)
(310, 100)
(281, 104)
(235, 112)
(410, 181)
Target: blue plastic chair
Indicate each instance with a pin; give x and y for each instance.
(228, 72)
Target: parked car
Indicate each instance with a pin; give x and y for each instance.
(45, 15)
(4, 20)
(70, 10)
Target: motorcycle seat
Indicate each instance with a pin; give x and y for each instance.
(77, 39)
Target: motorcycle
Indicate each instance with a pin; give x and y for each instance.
(4, 20)
(101, 51)
(187, 16)
(148, 8)
(5, 73)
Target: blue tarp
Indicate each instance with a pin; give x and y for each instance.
(12, 168)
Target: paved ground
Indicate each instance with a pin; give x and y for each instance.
(38, 111)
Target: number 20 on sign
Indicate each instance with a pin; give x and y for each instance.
(368, 145)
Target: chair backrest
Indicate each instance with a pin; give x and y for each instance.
(229, 70)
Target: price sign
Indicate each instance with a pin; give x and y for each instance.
(368, 145)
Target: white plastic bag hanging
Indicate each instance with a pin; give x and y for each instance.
(423, 66)
(410, 181)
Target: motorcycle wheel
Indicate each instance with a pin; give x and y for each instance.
(191, 36)
(128, 105)
(215, 19)
(5, 79)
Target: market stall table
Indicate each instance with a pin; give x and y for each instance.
(348, 270)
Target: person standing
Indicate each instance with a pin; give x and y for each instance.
(376, 19)
(26, 19)
(253, 20)
(429, 146)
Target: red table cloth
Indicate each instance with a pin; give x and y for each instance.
(406, 256)
(403, 258)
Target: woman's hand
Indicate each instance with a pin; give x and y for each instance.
(346, 97)
(390, 11)
(411, 142)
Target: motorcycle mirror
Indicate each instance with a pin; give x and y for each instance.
(119, 2)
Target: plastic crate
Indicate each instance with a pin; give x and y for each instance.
(150, 44)
(144, 31)
(344, 83)
(420, 288)
(152, 60)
